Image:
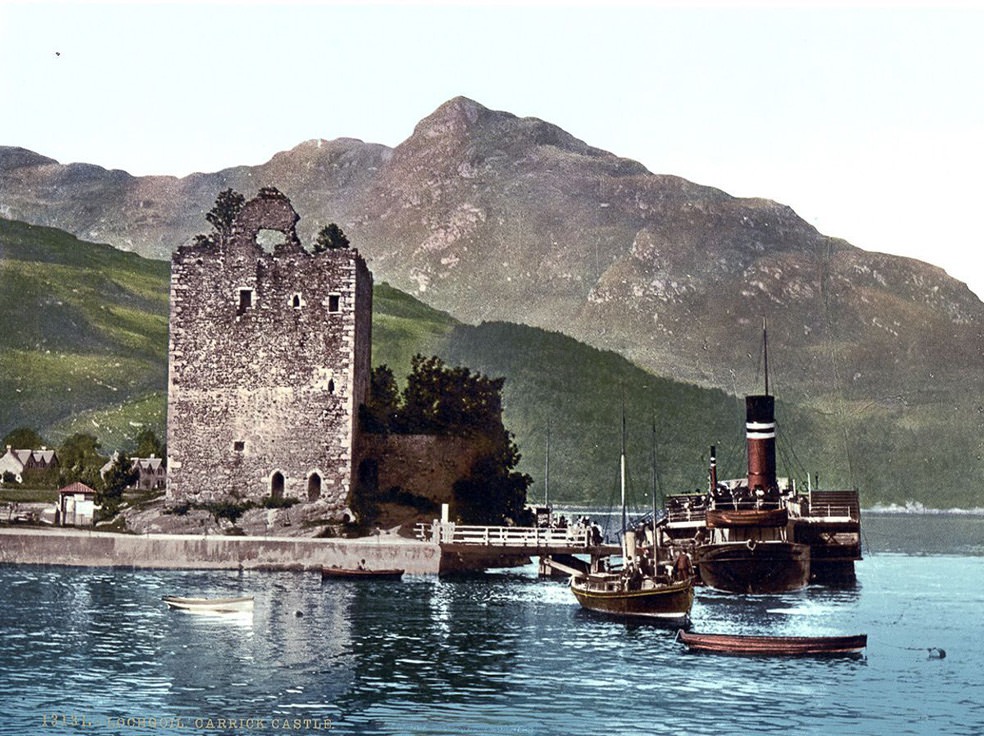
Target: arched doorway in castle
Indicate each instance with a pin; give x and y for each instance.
(277, 485)
(314, 487)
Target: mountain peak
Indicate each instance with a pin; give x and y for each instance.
(455, 116)
(462, 126)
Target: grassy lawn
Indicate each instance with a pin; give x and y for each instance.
(28, 495)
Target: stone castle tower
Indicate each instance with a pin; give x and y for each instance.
(269, 361)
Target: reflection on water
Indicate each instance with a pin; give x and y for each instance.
(812, 611)
(502, 653)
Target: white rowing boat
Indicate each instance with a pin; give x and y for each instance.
(239, 604)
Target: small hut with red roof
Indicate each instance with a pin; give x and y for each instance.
(76, 505)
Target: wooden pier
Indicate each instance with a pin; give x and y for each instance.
(475, 547)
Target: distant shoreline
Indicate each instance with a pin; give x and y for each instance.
(921, 511)
(894, 509)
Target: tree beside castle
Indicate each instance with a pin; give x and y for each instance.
(444, 401)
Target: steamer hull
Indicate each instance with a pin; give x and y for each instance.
(767, 567)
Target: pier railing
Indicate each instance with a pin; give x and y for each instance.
(504, 536)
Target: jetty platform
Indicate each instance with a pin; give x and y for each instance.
(438, 549)
(84, 548)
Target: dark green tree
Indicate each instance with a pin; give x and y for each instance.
(228, 205)
(439, 399)
(23, 438)
(442, 400)
(330, 237)
(121, 475)
(380, 412)
(148, 444)
(81, 460)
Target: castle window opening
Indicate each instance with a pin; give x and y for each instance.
(277, 486)
(238, 445)
(314, 487)
(331, 385)
(245, 300)
(296, 302)
(334, 302)
(268, 239)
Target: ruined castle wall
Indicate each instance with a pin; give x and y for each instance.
(268, 363)
(361, 350)
(425, 465)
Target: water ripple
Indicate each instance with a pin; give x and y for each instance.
(492, 655)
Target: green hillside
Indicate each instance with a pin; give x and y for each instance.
(83, 330)
(83, 349)
(403, 326)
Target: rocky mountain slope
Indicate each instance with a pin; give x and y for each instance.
(493, 217)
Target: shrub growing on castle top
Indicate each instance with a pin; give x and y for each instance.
(330, 237)
(228, 204)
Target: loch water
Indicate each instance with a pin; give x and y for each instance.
(96, 651)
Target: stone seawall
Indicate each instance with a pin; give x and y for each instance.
(186, 551)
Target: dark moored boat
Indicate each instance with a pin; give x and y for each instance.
(615, 594)
(773, 566)
(789, 646)
(359, 573)
(748, 550)
(758, 534)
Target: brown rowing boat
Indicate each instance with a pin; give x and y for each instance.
(773, 645)
(359, 573)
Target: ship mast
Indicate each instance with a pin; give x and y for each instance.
(655, 483)
(765, 355)
(546, 472)
(625, 520)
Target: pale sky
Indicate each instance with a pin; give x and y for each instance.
(866, 118)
